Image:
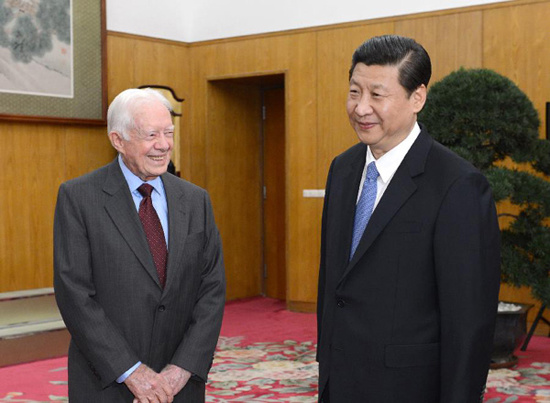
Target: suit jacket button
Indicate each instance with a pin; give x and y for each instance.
(162, 308)
(341, 303)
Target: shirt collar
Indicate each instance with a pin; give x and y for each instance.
(134, 181)
(390, 161)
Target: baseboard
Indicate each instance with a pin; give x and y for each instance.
(34, 347)
(301, 306)
(31, 327)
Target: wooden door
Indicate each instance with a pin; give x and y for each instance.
(274, 245)
(234, 182)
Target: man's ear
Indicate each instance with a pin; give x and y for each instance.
(117, 141)
(418, 98)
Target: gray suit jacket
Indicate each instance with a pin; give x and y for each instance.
(108, 291)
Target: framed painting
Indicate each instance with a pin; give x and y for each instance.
(52, 61)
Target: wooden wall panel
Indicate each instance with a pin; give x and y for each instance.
(234, 181)
(29, 181)
(120, 59)
(135, 61)
(516, 44)
(86, 148)
(509, 37)
(274, 200)
(303, 215)
(37, 158)
(452, 41)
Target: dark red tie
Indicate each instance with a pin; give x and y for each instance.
(153, 231)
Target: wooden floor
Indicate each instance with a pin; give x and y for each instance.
(31, 327)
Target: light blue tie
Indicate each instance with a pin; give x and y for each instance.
(364, 207)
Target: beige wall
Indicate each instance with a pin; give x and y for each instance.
(509, 37)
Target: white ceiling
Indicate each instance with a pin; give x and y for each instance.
(199, 20)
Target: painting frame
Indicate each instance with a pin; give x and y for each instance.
(88, 104)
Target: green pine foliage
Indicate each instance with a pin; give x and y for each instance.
(484, 117)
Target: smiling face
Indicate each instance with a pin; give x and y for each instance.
(379, 108)
(147, 152)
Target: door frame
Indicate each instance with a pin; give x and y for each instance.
(256, 81)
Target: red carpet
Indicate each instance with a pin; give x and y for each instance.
(40, 381)
(266, 319)
(266, 354)
(529, 381)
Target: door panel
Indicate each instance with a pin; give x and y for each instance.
(234, 182)
(274, 197)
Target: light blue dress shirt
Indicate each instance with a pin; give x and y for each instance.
(158, 196)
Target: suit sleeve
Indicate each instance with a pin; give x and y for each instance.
(467, 262)
(322, 264)
(196, 351)
(106, 350)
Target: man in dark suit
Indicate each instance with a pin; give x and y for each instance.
(410, 249)
(139, 276)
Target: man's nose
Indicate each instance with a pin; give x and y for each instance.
(364, 106)
(162, 143)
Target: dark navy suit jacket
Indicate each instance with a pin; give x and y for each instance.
(411, 317)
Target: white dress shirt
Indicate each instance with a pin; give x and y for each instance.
(388, 163)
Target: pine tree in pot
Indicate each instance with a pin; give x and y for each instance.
(484, 117)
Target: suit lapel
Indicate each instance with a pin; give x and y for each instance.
(122, 211)
(178, 223)
(401, 187)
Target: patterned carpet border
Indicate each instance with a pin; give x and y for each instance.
(263, 372)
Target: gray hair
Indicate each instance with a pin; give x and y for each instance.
(120, 116)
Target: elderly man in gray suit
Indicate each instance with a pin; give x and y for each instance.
(139, 275)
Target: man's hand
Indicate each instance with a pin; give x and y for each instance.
(177, 377)
(148, 386)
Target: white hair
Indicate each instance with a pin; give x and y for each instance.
(120, 116)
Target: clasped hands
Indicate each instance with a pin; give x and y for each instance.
(149, 386)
